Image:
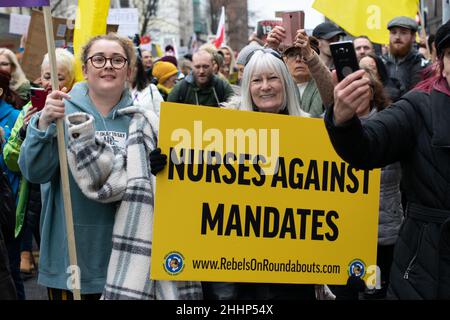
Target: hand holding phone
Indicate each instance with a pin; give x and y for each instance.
(38, 97)
(292, 22)
(344, 58)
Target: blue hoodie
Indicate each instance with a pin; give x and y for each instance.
(8, 117)
(93, 221)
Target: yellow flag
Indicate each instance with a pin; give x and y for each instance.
(90, 21)
(366, 17)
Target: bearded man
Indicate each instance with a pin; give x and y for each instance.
(403, 62)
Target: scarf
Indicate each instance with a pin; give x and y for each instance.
(442, 86)
(108, 174)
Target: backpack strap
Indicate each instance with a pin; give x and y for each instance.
(184, 89)
(151, 91)
(220, 89)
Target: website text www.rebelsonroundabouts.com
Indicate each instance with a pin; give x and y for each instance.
(264, 265)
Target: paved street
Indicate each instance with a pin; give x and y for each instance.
(33, 291)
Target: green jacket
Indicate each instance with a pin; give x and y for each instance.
(11, 153)
(187, 91)
(311, 101)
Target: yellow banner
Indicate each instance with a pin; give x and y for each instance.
(366, 17)
(90, 22)
(257, 197)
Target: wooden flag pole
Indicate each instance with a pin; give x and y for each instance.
(75, 276)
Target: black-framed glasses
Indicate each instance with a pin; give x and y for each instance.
(275, 53)
(99, 61)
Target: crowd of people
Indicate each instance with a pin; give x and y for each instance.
(390, 114)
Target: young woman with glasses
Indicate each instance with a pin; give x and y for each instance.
(112, 199)
(107, 64)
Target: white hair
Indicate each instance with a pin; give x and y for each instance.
(18, 77)
(264, 61)
(64, 59)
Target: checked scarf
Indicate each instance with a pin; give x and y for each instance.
(107, 174)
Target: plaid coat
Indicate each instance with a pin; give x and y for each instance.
(108, 174)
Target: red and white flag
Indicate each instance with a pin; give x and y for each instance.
(220, 35)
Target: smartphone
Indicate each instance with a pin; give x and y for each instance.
(292, 21)
(344, 57)
(38, 97)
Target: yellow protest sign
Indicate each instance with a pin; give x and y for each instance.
(90, 22)
(255, 197)
(366, 17)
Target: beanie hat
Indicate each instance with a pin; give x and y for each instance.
(442, 39)
(163, 70)
(170, 59)
(245, 52)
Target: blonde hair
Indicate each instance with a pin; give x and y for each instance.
(233, 59)
(18, 77)
(65, 59)
(262, 61)
(125, 43)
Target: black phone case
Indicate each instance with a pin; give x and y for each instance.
(344, 57)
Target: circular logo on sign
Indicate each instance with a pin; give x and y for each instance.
(357, 268)
(174, 263)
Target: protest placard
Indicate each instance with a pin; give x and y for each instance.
(18, 23)
(36, 44)
(257, 197)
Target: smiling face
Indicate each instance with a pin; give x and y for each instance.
(63, 77)
(103, 81)
(266, 89)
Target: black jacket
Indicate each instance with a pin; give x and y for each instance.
(7, 224)
(415, 131)
(403, 74)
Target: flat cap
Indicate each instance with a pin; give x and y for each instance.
(403, 22)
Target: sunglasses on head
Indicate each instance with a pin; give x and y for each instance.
(276, 54)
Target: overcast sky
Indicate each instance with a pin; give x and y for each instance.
(265, 9)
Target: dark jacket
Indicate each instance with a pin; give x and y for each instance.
(7, 222)
(414, 131)
(187, 91)
(403, 74)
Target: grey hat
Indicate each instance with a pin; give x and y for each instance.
(404, 22)
(245, 52)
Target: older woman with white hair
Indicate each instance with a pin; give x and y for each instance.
(19, 83)
(267, 86)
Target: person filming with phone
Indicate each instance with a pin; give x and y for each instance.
(413, 131)
(312, 77)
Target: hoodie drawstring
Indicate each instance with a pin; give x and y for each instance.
(215, 96)
(196, 98)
